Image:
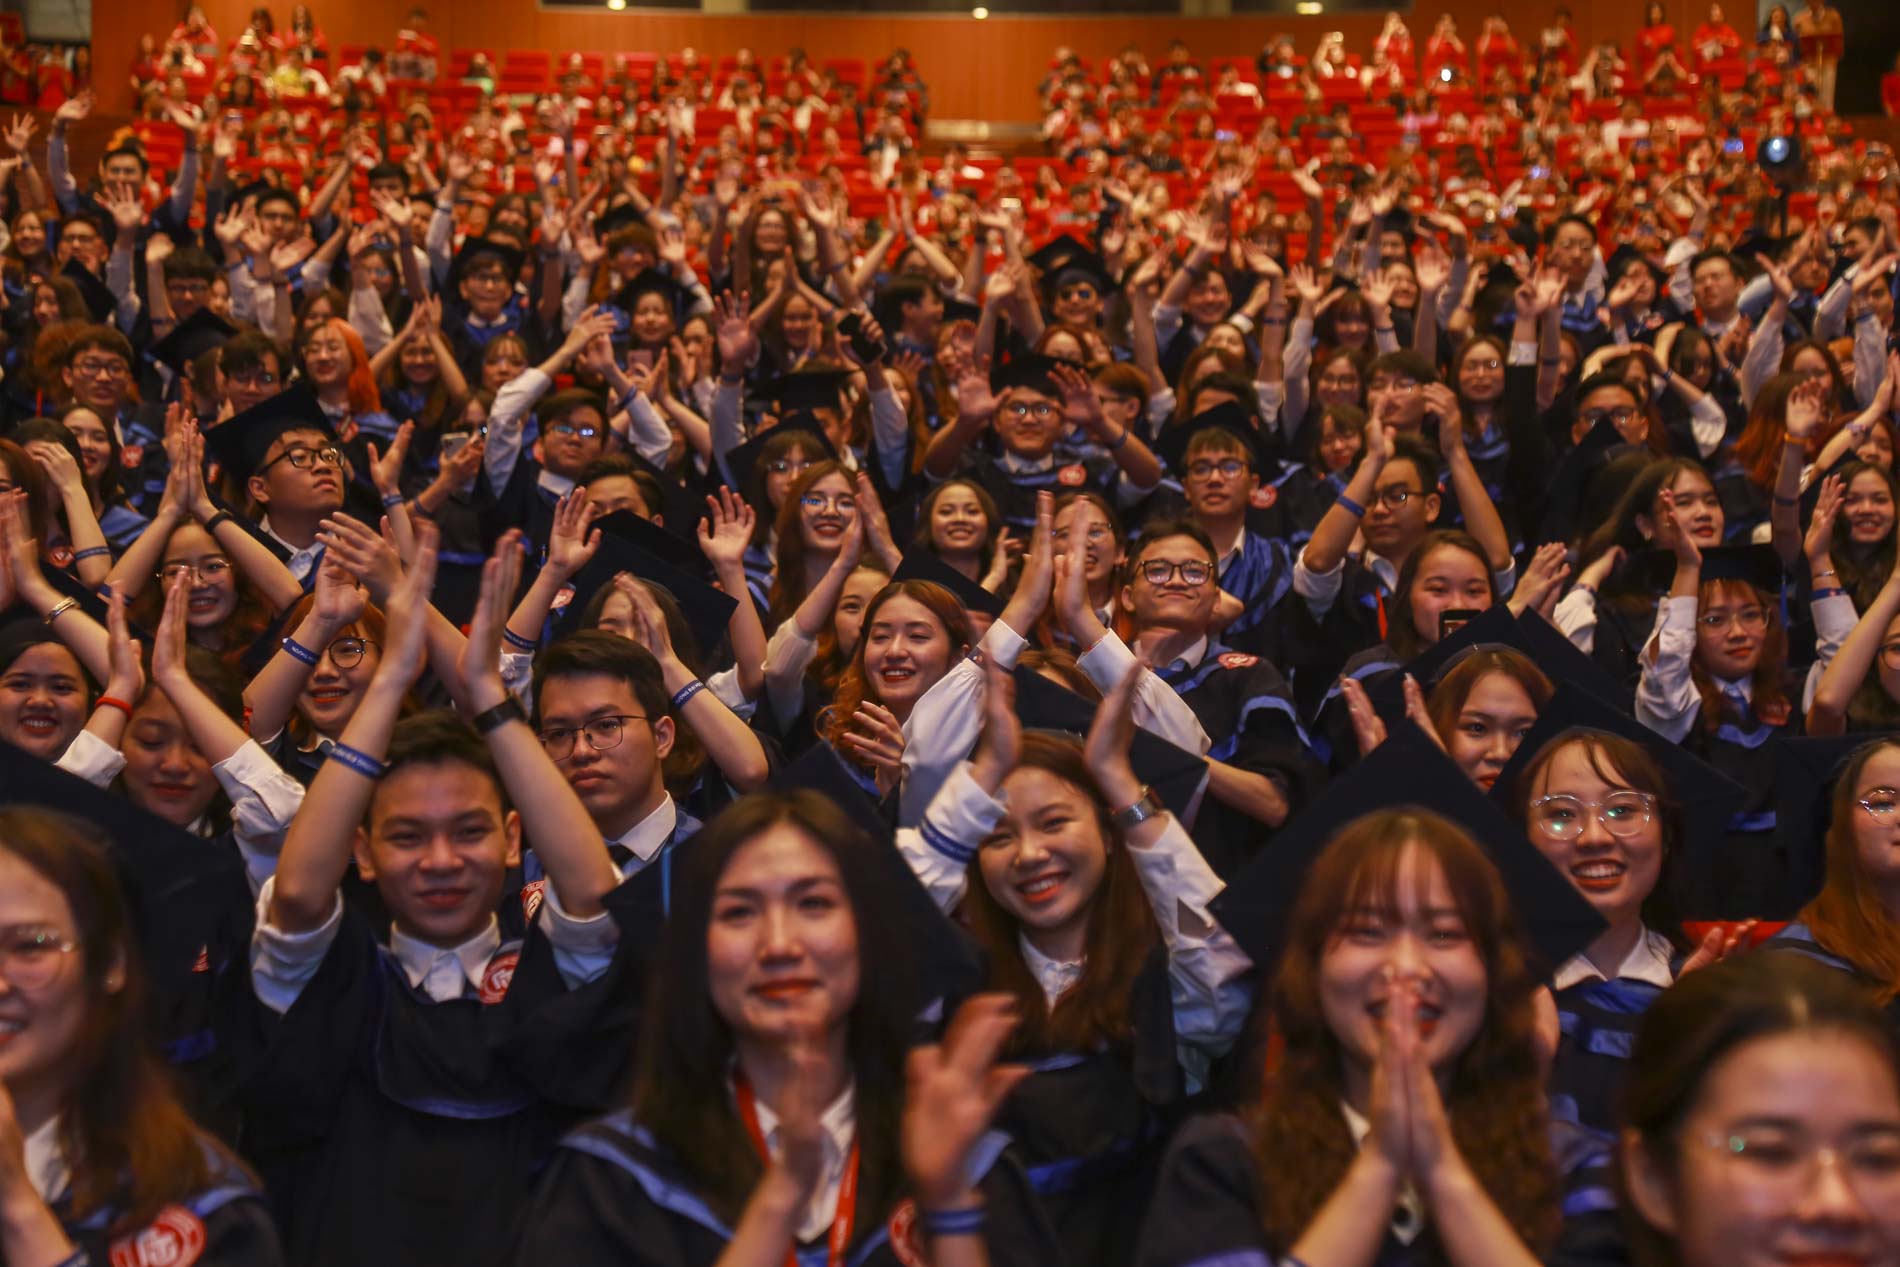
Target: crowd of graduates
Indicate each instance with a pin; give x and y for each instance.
(710, 707)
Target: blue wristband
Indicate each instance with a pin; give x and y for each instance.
(361, 762)
(1352, 507)
(393, 500)
(300, 653)
(953, 1222)
(519, 643)
(92, 552)
(1831, 591)
(687, 692)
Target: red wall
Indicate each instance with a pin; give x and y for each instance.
(976, 70)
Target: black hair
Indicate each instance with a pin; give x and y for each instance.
(438, 738)
(1404, 361)
(593, 651)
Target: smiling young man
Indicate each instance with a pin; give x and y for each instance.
(398, 1093)
(283, 457)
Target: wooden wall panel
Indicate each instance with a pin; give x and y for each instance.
(976, 70)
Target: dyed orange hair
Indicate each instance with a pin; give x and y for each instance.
(364, 398)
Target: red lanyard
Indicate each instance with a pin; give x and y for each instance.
(846, 1216)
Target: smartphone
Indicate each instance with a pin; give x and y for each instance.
(1733, 145)
(1452, 619)
(867, 349)
(1540, 173)
(453, 442)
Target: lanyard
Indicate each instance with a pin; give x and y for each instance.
(846, 1215)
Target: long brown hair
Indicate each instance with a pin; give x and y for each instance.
(1769, 680)
(1401, 634)
(132, 1145)
(1121, 929)
(788, 578)
(1847, 917)
(1759, 449)
(1455, 685)
(1495, 1095)
(250, 615)
(370, 627)
(852, 687)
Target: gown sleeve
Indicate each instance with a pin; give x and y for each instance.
(1206, 1205)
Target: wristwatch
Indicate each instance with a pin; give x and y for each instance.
(500, 715)
(1147, 806)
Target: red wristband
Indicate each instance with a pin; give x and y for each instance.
(112, 701)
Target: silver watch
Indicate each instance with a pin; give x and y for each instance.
(1146, 807)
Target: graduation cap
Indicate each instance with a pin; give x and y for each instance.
(1495, 626)
(1228, 417)
(1758, 565)
(626, 545)
(955, 309)
(614, 219)
(803, 391)
(198, 335)
(1708, 798)
(1067, 260)
(742, 460)
(949, 966)
(100, 301)
(1176, 775)
(920, 564)
(1806, 771)
(1755, 242)
(239, 443)
(1408, 770)
(649, 282)
(1028, 369)
(1626, 257)
(474, 248)
(185, 893)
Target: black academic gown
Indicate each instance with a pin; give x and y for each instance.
(614, 1197)
(391, 1129)
(227, 1224)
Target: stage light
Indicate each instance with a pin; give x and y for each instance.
(1309, 8)
(979, 13)
(616, 5)
(1779, 157)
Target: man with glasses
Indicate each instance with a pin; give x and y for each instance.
(1222, 467)
(1029, 404)
(1259, 768)
(122, 168)
(284, 457)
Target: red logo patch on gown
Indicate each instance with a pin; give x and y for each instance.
(131, 455)
(1263, 497)
(501, 971)
(531, 894)
(175, 1239)
(1238, 660)
(1073, 475)
(906, 1242)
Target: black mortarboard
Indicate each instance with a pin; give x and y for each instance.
(472, 248)
(955, 309)
(1175, 774)
(1707, 797)
(614, 219)
(195, 336)
(100, 301)
(949, 967)
(1407, 770)
(1758, 565)
(186, 894)
(624, 542)
(1067, 260)
(1493, 626)
(1564, 662)
(239, 443)
(802, 391)
(1626, 256)
(649, 282)
(920, 564)
(1232, 418)
(742, 459)
(1806, 770)
(1027, 369)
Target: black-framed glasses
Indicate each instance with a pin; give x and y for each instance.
(1041, 410)
(30, 958)
(94, 368)
(347, 653)
(205, 573)
(602, 733)
(303, 459)
(788, 466)
(1193, 572)
(1563, 816)
(1231, 468)
(569, 429)
(1621, 416)
(252, 378)
(1395, 497)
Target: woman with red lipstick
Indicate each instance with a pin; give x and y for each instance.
(45, 695)
(819, 509)
(958, 522)
(771, 1120)
(1479, 709)
(1089, 901)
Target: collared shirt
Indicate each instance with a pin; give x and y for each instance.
(302, 562)
(1017, 464)
(1408, 1215)
(46, 1167)
(840, 1124)
(1056, 976)
(1648, 961)
(446, 973)
(646, 838)
(558, 485)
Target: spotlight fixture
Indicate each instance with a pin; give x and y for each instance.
(979, 13)
(1309, 8)
(1779, 157)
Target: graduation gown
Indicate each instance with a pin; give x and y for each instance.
(1015, 491)
(1598, 1022)
(1755, 878)
(1206, 1209)
(393, 1129)
(227, 1224)
(613, 1196)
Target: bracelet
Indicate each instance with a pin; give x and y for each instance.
(519, 643)
(500, 715)
(1383, 329)
(1554, 360)
(1351, 507)
(393, 500)
(1118, 445)
(222, 517)
(298, 652)
(1786, 501)
(91, 552)
(687, 692)
(1792, 442)
(953, 1222)
(1825, 572)
(361, 762)
(1830, 591)
(113, 701)
(59, 609)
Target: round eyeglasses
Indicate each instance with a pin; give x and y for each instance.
(602, 733)
(1564, 817)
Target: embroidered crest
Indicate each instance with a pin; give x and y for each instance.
(1263, 497)
(562, 597)
(175, 1239)
(501, 971)
(1775, 714)
(1238, 660)
(131, 456)
(531, 894)
(60, 556)
(906, 1242)
(1074, 475)
(203, 962)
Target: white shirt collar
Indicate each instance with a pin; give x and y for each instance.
(1055, 976)
(1647, 961)
(1383, 568)
(301, 560)
(1192, 656)
(559, 485)
(426, 966)
(46, 1167)
(648, 836)
(1408, 1215)
(1744, 686)
(840, 1124)
(1017, 464)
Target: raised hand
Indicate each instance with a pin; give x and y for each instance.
(1686, 551)
(74, 109)
(385, 468)
(1367, 726)
(125, 678)
(19, 133)
(406, 614)
(1442, 402)
(570, 543)
(168, 642)
(1777, 276)
(1543, 580)
(1111, 733)
(1305, 284)
(876, 737)
(1819, 542)
(1807, 409)
(128, 215)
(340, 601)
(953, 1092)
(726, 533)
(738, 345)
(58, 464)
(1718, 944)
(974, 398)
(480, 663)
(1080, 405)
(999, 747)
(366, 553)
